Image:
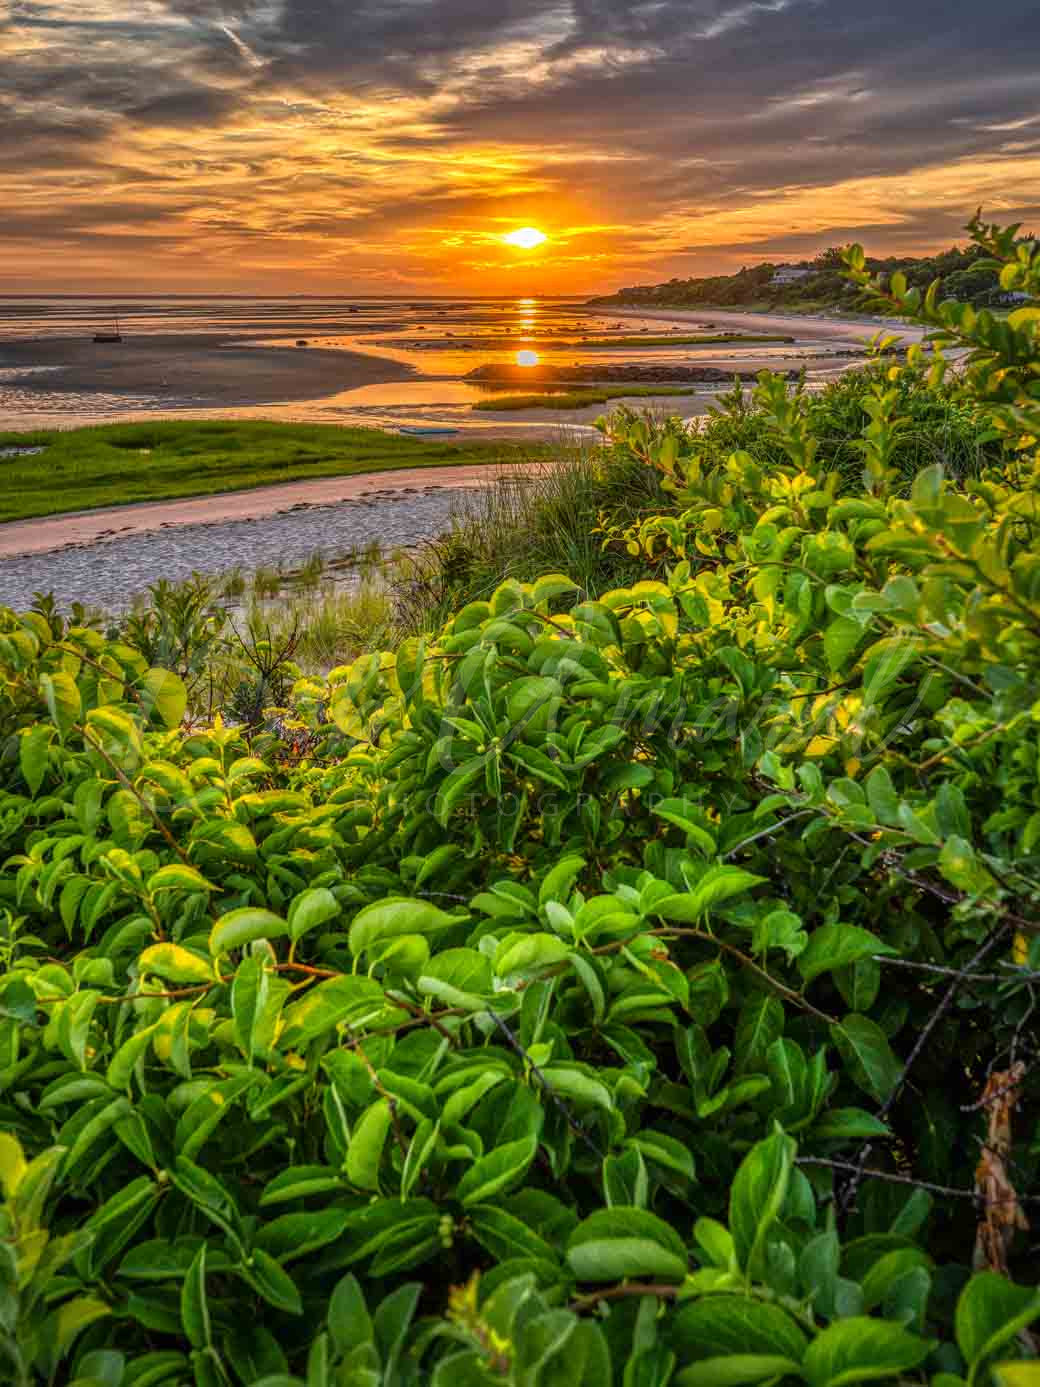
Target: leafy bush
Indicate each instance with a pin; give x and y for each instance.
(634, 986)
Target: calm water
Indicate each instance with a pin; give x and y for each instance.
(441, 340)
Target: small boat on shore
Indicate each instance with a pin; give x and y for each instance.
(114, 336)
(419, 431)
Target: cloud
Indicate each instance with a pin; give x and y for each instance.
(349, 143)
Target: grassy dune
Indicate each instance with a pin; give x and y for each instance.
(578, 399)
(116, 464)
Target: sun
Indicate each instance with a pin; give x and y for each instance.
(526, 237)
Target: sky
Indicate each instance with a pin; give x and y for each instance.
(386, 146)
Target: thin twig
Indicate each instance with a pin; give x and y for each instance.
(572, 1122)
(128, 784)
(765, 832)
(848, 1195)
(788, 993)
(939, 969)
(894, 1178)
(629, 1288)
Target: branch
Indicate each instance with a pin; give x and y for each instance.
(788, 993)
(848, 1195)
(893, 1178)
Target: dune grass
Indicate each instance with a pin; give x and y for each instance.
(578, 399)
(115, 464)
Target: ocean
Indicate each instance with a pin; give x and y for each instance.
(438, 340)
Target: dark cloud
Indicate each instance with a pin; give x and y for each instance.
(696, 105)
(187, 107)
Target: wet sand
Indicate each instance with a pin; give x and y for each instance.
(202, 369)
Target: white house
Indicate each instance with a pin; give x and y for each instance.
(789, 274)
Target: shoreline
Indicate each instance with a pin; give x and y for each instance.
(842, 327)
(54, 534)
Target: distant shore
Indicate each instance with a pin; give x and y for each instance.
(838, 325)
(202, 369)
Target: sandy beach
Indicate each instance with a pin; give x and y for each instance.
(74, 529)
(201, 368)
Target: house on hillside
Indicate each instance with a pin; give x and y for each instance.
(789, 274)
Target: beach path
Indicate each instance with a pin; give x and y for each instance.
(78, 528)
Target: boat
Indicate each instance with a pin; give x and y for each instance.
(419, 430)
(115, 336)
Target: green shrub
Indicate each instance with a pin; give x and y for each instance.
(620, 985)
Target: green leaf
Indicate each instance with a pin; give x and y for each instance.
(393, 917)
(33, 755)
(126, 1057)
(300, 1181)
(175, 964)
(458, 978)
(867, 1055)
(1012, 1375)
(163, 693)
(861, 1350)
(990, 1312)
(349, 1322)
(625, 1182)
(420, 1149)
(177, 876)
(666, 1151)
(839, 641)
(194, 1304)
(269, 1280)
(240, 927)
(295, 1235)
(250, 995)
(348, 999)
(616, 1243)
(500, 1170)
(736, 1324)
(756, 1197)
(718, 884)
(454, 787)
(961, 867)
(505, 1236)
(311, 909)
(835, 946)
(61, 695)
(759, 1025)
(365, 1152)
(735, 1370)
(69, 1321)
(521, 954)
(848, 1124)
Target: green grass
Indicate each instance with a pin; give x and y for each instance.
(578, 399)
(115, 464)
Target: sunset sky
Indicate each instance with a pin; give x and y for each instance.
(366, 146)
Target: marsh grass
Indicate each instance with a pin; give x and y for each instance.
(116, 464)
(333, 626)
(545, 520)
(578, 399)
(267, 581)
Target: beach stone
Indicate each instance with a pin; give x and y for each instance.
(110, 574)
